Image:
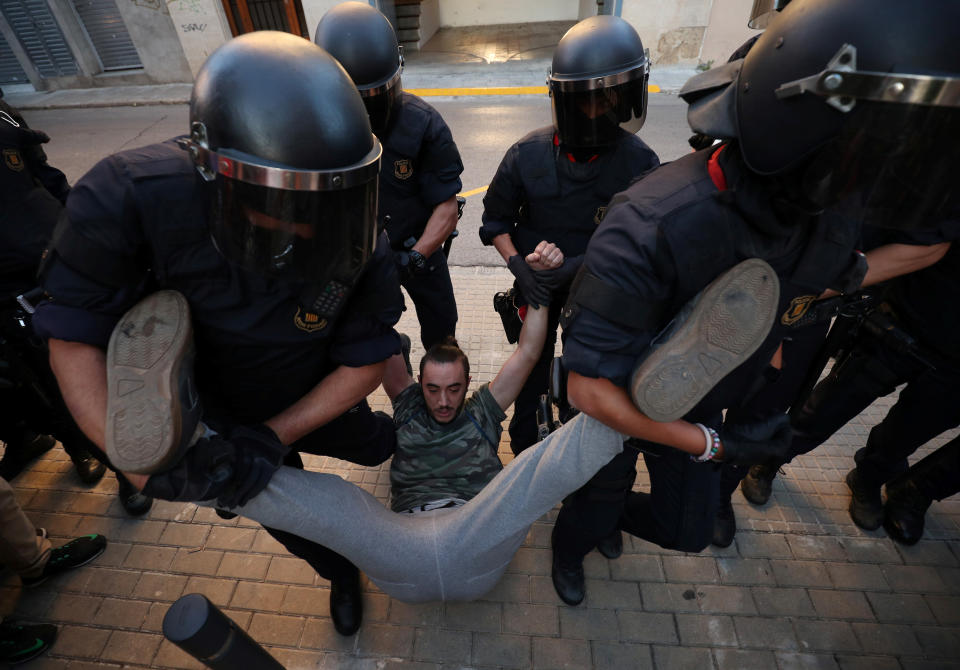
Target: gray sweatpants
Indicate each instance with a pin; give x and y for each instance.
(456, 553)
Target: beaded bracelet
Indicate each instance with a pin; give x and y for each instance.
(713, 444)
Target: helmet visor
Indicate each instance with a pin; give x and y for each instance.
(593, 117)
(313, 236)
(381, 103)
(895, 166)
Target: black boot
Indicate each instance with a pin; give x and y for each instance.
(133, 501)
(909, 495)
(89, 469)
(724, 524)
(905, 509)
(757, 486)
(568, 577)
(612, 545)
(866, 507)
(346, 603)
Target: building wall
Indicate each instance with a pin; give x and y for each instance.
(672, 29)
(201, 26)
(726, 30)
(485, 12)
(155, 36)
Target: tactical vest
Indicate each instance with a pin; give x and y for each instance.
(704, 232)
(400, 209)
(565, 201)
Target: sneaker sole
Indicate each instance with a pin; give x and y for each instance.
(728, 324)
(148, 349)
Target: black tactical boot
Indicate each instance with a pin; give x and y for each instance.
(910, 495)
(89, 469)
(904, 510)
(757, 486)
(612, 545)
(346, 603)
(866, 507)
(724, 524)
(568, 578)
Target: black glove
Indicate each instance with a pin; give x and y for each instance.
(762, 441)
(259, 454)
(560, 277)
(204, 473)
(535, 293)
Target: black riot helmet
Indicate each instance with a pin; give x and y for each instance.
(863, 96)
(598, 82)
(277, 126)
(364, 42)
(763, 12)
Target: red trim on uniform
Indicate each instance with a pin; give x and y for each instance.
(556, 143)
(716, 172)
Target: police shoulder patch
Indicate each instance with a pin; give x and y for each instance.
(403, 169)
(797, 308)
(308, 321)
(13, 159)
(598, 217)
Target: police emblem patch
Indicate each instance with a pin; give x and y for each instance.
(308, 321)
(598, 217)
(13, 159)
(798, 307)
(402, 169)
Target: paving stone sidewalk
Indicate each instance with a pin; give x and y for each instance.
(801, 587)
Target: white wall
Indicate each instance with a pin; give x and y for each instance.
(201, 26)
(672, 29)
(727, 30)
(486, 12)
(429, 19)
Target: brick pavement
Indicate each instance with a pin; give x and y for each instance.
(802, 587)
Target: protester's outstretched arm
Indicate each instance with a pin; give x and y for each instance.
(513, 375)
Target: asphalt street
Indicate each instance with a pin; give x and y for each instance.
(483, 127)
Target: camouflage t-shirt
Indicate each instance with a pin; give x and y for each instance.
(435, 461)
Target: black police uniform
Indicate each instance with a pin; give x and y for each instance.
(419, 170)
(540, 192)
(138, 222)
(924, 304)
(661, 242)
(32, 196)
(32, 193)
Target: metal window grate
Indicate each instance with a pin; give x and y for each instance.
(40, 36)
(11, 71)
(108, 34)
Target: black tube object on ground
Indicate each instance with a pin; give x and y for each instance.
(195, 625)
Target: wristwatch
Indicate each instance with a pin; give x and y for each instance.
(417, 260)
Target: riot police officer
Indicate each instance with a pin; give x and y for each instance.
(264, 219)
(420, 169)
(844, 80)
(32, 194)
(555, 182)
(909, 338)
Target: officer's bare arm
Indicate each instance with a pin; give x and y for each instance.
(81, 371)
(441, 223)
(893, 260)
(610, 404)
(339, 391)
